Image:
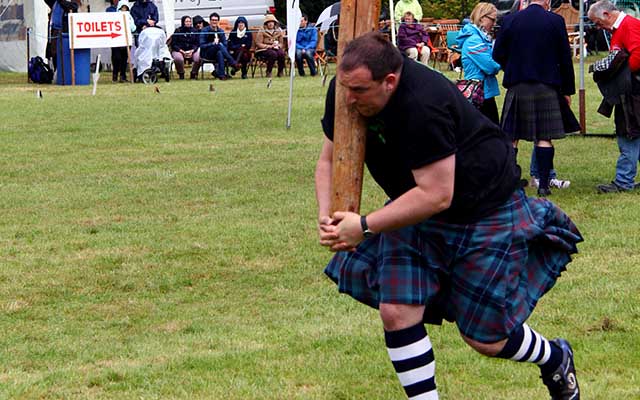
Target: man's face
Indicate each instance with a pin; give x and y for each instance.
(606, 22)
(213, 21)
(303, 22)
(367, 96)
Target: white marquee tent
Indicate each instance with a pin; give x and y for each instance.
(16, 16)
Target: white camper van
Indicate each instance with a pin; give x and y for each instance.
(253, 10)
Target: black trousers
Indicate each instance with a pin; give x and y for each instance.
(119, 62)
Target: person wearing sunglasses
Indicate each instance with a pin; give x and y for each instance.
(475, 44)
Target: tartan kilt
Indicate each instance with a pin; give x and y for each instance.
(535, 111)
(486, 276)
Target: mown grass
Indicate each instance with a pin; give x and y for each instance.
(163, 246)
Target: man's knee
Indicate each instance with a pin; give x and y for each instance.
(400, 316)
(412, 53)
(487, 349)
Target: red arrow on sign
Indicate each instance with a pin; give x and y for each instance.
(112, 35)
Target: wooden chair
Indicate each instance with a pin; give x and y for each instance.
(323, 59)
(441, 52)
(571, 19)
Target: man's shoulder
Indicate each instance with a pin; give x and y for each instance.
(631, 21)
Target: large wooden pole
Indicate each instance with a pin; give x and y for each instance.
(356, 18)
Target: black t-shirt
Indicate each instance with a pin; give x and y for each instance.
(426, 120)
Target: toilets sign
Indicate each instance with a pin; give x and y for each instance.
(99, 30)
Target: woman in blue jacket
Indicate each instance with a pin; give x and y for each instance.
(474, 41)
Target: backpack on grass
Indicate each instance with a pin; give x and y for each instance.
(39, 71)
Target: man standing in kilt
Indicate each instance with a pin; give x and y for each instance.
(533, 49)
(459, 240)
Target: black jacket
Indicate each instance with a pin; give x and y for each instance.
(620, 89)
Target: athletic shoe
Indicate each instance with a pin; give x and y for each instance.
(611, 188)
(559, 183)
(562, 383)
(554, 183)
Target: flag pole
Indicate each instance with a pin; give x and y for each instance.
(290, 97)
(294, 16)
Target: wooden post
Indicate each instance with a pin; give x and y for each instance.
(357, 17)
(126, 35)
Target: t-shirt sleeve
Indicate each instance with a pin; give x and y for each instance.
(329, 110)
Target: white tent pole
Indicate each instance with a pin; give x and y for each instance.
(393, 23)
(581, 91)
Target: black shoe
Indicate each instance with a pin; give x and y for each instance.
(193, 77)
(611, 188)
(244, 76)
(544, 192)
(181, 76)
(562, 383)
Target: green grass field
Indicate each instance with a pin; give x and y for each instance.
(163, 246)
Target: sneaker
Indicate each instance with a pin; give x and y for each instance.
(611, 188)
(554, 183)
(562, 383)
(559, 183)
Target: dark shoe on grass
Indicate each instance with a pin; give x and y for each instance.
(611, 188)
(562, 383)
(543, 192)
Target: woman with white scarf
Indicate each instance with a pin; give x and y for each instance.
(240, 41)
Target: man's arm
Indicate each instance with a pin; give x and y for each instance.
(432, 195)
(323, 193)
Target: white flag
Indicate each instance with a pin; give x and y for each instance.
(294, 15)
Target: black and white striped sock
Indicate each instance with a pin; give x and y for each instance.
(527, 345)
(412, 357)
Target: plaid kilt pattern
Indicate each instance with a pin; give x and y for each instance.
(535, 111)
(486, 276)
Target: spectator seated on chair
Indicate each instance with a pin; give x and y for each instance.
(384, 24)
(413, 40)
(199, 23)
(213, 46)
(152, 49)
(240, 41)
(269, 44)
(331, 39)
(306, 42)
(184, 46)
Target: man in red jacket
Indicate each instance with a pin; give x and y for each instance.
(625, 36)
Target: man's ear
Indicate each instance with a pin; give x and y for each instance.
(391, 81)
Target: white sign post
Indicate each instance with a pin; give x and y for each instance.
(99, 30)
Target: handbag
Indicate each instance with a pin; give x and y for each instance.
(472, 90)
